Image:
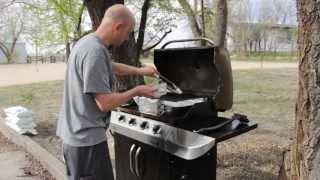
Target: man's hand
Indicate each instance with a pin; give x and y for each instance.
(108, 101)
(146, 70)
(146, 90)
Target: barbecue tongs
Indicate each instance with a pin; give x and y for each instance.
(171, 87)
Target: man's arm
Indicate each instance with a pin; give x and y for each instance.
(123, 69)
(108, 101)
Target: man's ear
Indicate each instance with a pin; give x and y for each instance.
(118, 26)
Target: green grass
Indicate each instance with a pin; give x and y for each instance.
(256, 92)
(268, 98)
(266, 93)
(254, 57)
(44, 99)
(30, 95)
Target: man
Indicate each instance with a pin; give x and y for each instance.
(88, 96)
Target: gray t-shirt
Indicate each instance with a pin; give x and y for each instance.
(89, 71)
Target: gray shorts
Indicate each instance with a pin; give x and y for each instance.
(88, 163)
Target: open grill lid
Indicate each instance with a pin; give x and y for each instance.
(192, 69)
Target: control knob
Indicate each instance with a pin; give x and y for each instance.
(144, 125)
(156, 129)
(132, 122)
(122, 118)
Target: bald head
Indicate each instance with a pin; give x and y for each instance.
(118, 13)
(118, 22)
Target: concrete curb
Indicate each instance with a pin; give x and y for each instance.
(53, 165)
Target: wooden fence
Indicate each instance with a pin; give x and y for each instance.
(46, 59)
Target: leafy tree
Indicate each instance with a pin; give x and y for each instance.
(60, 20)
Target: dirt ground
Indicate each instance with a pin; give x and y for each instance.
(31, 169)
(11, 74)
(256, 155)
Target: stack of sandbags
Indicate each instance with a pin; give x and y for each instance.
(20, 119)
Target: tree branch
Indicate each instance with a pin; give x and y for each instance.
(7, 5)
(78, 27)
(160, 40)
(4, 48)
(191, 17)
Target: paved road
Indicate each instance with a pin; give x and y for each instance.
(28, 73)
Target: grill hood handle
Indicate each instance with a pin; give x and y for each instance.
(189, 40)
(172, 87)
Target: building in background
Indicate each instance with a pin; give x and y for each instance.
(258, 37)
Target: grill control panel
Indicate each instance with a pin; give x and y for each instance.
(180, 142)
(137, 123)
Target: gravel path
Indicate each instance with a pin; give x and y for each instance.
(11, 74)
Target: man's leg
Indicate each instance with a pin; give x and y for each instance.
(88, 163)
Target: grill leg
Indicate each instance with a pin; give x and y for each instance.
(214, 167)
(203, 168)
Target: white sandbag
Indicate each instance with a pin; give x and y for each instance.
(18, 111)
(24, 126)
(19, 121)
(22, 130)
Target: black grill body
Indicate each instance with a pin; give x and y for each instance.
(161, 147)
(159, 165)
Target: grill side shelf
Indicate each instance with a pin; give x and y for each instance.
(227, 133)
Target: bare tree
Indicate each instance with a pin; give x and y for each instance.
(11, 26)
(241, 13)
(192, 18)
(303, 162)
(283, 10)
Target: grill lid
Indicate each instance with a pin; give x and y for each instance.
(191, 69)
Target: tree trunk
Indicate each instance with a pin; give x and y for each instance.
(305, 151)
(221, 22)
(142, 27)
(6, 51)
(195, 28)
(68, 49)
(195, 6)
(124, 54)
(97, 8)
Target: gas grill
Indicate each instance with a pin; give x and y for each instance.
(179, 141)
